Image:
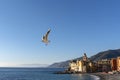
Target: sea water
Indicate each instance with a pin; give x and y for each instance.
(40, 74)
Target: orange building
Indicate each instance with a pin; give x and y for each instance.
(113, 64)
(118, 63)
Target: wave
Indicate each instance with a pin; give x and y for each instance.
(95, 77)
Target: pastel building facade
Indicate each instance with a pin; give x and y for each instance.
(76, 66)
(118, 63)
(104, 65)
(84, 65)
(114, 64)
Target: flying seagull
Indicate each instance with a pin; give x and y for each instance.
(45, 37)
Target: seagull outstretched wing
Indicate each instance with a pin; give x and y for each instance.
(45, 37)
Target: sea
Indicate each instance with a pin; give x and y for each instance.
(41, 74)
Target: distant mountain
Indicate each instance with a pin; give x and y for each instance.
(64, 64)
(106, 55)
(101, 55)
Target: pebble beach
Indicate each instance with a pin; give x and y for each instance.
(106, 76)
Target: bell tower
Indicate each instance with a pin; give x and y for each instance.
(85, 57)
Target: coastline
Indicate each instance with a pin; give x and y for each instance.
(106, 76)
(95, 77)
(98, 75)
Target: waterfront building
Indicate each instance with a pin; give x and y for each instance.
(73, 66)
(104, 65)
(76, 66)
(92, 66)
(80, 65)
(84, 65)
(114, 64)
(118, 63)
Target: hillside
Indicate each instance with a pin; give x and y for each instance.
(60, 64)
(101, 55)
(106, 55)
(63, 64)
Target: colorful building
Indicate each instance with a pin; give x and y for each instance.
(114, 64)
(118, 63)
(104, 65)
(84, 65)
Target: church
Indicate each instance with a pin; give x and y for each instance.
(85, 65)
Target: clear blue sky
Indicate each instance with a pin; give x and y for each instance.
(77, 26)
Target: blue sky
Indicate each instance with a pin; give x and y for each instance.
(77, 27)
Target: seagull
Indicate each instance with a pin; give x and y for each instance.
(45, 37)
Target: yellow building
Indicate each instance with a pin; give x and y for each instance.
(118, 63)
(73, 66)
(80, 64)
(84, 65)
(76, 66)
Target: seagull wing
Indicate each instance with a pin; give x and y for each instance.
(45, 37)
